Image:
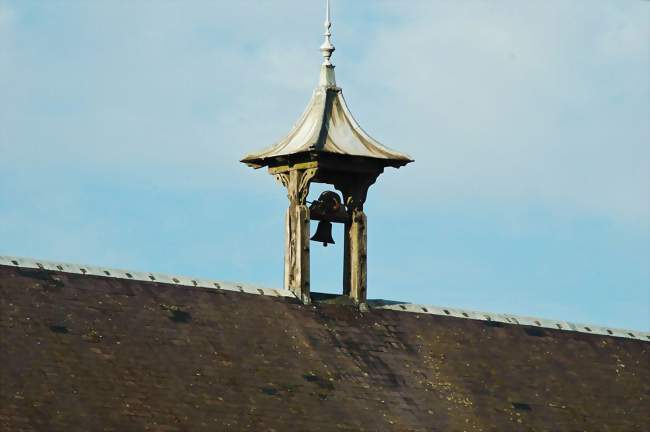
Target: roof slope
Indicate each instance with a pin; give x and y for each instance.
(83, 352)
(327, 125)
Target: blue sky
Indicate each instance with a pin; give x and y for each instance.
(122, 123)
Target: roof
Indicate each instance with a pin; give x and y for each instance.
(85, 350)
(327, 126)
(247, 288)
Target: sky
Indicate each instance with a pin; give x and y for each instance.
(122, 124)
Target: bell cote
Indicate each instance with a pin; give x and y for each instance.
(326, 145)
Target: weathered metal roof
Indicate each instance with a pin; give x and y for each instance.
(82, 350)
(327, 125)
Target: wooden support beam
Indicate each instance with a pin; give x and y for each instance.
(301, 271)
(358, 263)
(355, 261)
(296, 248)
(347, 278)
(288, 250)
(275, 170)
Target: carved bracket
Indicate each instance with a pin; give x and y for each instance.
(355, 189)
(297, 184)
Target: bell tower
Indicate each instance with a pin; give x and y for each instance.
(326, 145)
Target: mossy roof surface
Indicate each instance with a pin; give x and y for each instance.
(90, 353)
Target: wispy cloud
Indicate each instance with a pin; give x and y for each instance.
(495, 100)
(543, 101)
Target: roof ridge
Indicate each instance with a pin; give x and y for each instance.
(398, 306)
(114, 273)
(510, 319)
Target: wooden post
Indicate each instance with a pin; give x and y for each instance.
(355, 249)
(347, 279)
(287, 249)
(358, 256)
(301, 283)
(296, 247)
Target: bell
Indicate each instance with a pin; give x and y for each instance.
(323, 233)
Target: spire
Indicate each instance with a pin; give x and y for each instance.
(327, 48)
(327, 77)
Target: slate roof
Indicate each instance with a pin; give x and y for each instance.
(89, 352)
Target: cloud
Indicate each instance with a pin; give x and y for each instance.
(6, 14)
(6, 35)
(502, 102)
(526, 102)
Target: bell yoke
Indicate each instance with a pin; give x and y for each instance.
(327, 145)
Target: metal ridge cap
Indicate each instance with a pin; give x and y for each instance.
(107, 272)
(30, 263)
(509, 319)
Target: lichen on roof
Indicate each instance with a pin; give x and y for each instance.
(82, 351)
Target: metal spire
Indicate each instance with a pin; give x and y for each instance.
(327, 48)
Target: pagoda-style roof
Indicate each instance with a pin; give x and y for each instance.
(327, 126)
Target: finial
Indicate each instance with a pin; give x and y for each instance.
(327, 48)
